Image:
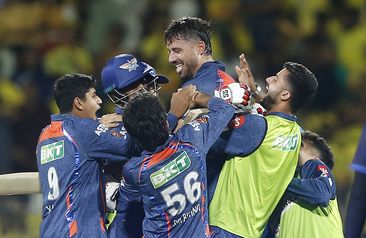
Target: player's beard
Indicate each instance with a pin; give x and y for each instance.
(267, 102)
(188, 69)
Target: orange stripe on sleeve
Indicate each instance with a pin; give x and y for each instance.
(225, 77)
(162, 155)
(52, 131)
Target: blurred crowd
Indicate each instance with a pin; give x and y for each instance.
(42, 40)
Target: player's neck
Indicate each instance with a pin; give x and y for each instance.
(203, 59)
(281, 108)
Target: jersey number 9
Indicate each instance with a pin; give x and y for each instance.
(53, 183)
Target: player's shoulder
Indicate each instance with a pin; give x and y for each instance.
(314, 163)
(134, 164)
(315, 167)
(249, 122)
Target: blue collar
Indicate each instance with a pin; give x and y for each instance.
(211, 64)
(61, 117)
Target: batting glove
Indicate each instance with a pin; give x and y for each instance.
(237, 94)
(111, 192)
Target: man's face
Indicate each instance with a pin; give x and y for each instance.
(125, 95)
(277, 86)
(91, 104)
(184, 55)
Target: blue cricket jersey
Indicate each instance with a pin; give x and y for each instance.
(128, 221)
(171, 181)
(70, 152)
(211, 76)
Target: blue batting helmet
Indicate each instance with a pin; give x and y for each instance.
(125, 70)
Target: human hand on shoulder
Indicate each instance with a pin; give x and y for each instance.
(111, 120)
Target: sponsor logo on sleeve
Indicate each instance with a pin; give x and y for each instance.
(101, 129)
(52, 152)
(285, 143)
(171, 170)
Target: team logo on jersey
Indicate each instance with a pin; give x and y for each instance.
(52, 152)
(237, 121)
(285, 143)
(131, 65)
(171, 170)
(323, 169)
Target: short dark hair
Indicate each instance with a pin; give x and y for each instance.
(322, 146)
(70, 86)
(190, 28)
(146, 121)
(303, 83)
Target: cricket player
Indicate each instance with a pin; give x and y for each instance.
(70, 153)
(262, 155)
(309, 211)
(188, 41)
(123, 77)
(170, 175)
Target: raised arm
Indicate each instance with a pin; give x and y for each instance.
(316, 185)
(245, 76)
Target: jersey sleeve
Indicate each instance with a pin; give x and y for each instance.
(127, 193)
(172, 121)
(316, 185)
(246, 134)
(129, 189)
(101, 143)
(204, 131)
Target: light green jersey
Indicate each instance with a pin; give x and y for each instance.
(250, 187)
(303, 222)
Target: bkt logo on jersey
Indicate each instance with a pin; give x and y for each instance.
(171, 170)
(52, 152)
(285, 143)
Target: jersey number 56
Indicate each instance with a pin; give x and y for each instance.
(192, 189)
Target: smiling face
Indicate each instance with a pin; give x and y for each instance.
(185, 55)
(90, 104)
(279, 89)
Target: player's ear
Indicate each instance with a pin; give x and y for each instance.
(286, 95)
(78, 104)
(201, 47)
